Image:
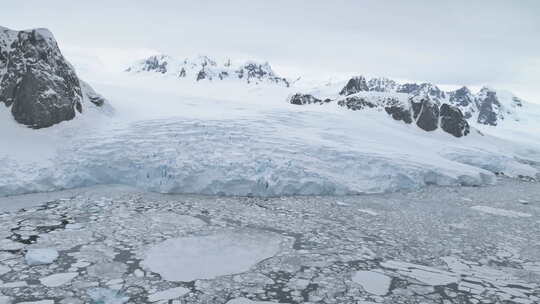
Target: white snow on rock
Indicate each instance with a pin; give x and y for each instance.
(373, 282)
(207, 257)
(224, 138)
(501, 212)
(38, 302)
(168, 294)
(58, 279)
(247, 301)
(41, 256)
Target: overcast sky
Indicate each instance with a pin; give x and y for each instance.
(494, 43)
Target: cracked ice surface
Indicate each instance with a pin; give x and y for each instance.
(422, 246)
(207, 257)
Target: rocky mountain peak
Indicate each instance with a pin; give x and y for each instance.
(36, 81)
(355, 85)
(382, 85)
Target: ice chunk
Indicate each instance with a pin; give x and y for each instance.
(207, 257)
(9, 245)
(40, 256)
(107, 296)
(58, 279)
(373, 282)
(5, 300)
(13, 284)
(425, 274)
(168, 294)
(4, 269)
(368, 211)
(501, 212)
(248, 301)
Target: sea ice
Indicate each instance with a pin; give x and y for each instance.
(40, 256)
(373, 282)
(4, 269)
(168, 294)
(248, 301)
(207, 257)
(424, 274)
(106, 296)
(58, 279)
(501, 212)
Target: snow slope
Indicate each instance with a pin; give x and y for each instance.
(237, 139)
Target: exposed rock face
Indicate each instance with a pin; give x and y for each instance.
(464, 99)
(399, 113)
(36, 81)
(157, 63)
(255, 72)
(356, 103)
(488, 107)
(303, 99)
(422, 91)
(426, 113)
(453, 121)
(382, 85)
(355, 85)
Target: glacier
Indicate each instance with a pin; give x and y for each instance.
(227, 138)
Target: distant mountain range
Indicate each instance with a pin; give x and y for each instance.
(42, 89)
(424, 104)
(204, 68)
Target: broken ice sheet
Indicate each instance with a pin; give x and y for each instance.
(40, 256)
(106, 296)
(373, 282)
(168, 294)
(207, 257)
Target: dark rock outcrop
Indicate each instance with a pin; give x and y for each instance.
(453, 121)
(255, 72)
(399, 113)
(355, 85)
(39, 85)
(463, 99)
(356, 103)
(426, 113)
(202, 75)
(422, 91)
(157, 63)
(488, 107)
(303, 99)
(382, 85)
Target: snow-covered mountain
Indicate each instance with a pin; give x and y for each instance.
(199, 126)
(37, 84)
(206, 68)
(424, 104)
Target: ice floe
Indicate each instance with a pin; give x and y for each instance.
(207, 257)
(40, 256)
(373, 282)
(168, 294)
(501, 212)
(58, 279)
